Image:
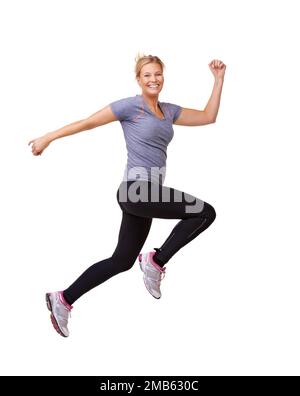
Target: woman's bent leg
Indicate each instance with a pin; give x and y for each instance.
(169, 203)
(184, 232)
(132, 235)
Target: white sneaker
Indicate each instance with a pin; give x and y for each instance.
(153, 273)
(60, 312)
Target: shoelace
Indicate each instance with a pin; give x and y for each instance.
(162, 274)
(65, 315)
(61, 299)
(69, 312)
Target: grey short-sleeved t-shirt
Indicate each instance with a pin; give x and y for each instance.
(147, 137)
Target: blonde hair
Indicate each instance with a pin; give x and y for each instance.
(142, 60)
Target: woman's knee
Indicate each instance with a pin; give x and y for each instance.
(209, 211)
(124, 263)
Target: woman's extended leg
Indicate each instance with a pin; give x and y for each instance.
(133, 233)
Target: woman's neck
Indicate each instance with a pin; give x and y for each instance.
(152, 102)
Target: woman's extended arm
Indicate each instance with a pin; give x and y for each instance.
(102, 117)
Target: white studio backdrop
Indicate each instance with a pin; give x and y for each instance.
(230, 303)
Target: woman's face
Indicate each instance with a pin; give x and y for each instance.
(151, 79)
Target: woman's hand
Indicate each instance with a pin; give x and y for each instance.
(39, 144)
(217, 68)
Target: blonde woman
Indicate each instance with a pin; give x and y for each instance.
(148, 129)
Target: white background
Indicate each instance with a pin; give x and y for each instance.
(230, 303)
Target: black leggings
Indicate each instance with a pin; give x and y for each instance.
(143, 202)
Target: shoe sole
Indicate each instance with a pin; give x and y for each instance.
(140, 261)
(52, 317)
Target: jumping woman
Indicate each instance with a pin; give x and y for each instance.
(147, 124)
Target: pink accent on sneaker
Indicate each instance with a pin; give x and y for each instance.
(160, 269)
(63, 301)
